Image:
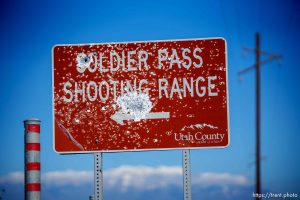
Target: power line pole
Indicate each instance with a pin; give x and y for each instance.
(257, 53)
(257, 65)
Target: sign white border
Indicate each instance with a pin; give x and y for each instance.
(139, 150)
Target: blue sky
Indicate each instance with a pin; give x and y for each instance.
(29, 29)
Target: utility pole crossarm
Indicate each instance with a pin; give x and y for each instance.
(260, 51)
(252, 67)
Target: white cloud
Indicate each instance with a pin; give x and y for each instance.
(136, 177)
(14, 177)
(143, 177)
(68, 177)
(210, 178)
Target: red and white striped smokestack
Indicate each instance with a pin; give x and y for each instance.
(32, 159)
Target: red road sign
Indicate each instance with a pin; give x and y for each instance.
(140, 96)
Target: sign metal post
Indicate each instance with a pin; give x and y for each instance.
(187, 182)
(98, 176)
